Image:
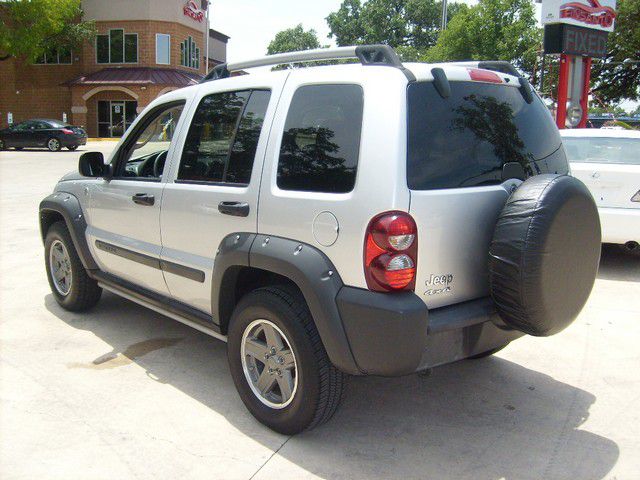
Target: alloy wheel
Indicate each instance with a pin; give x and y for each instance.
(53, 145)
(60, 267)
(269, 364)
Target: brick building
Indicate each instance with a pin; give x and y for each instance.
(143, 49)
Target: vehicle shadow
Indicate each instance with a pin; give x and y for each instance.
(617, 264)
(485, 419)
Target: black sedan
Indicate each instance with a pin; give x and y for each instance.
(51, 134)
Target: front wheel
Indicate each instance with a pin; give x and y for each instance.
(53, 144)
(278, 363)
(72, 288)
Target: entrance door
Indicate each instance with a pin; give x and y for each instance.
(117, 119)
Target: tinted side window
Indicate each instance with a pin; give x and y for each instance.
(246, 142)
(206, 149)
(321, 139)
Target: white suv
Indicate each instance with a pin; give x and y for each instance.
(371, 218)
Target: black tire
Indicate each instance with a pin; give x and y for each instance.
(54, 145)
(84, 292)
(320, 385)
(2, 145)
(73, 147)
(17, 148)
(486, 354)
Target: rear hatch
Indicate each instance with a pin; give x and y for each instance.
(463, 151)
(608, 165)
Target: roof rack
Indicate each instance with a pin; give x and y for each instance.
(367, 54)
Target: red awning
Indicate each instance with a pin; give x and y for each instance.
(138, 76)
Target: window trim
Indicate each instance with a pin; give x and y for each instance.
(124, 41)
(168, 36)
(233, 140)
(144, 122)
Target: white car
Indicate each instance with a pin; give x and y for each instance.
(608, 162)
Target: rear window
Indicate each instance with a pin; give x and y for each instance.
(625, 151)
(466, 139)
(321, 139)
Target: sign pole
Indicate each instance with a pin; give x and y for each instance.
(584, 101)
(563, 83)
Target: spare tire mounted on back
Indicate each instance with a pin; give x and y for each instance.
(544, 255)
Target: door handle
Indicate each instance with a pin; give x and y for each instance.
(143, 199)
(236, 209)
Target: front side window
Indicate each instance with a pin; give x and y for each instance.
(189, 54)
(321, 139)
(117, 47)
(625, 151)
(223, 137)
(145, 153)
(163, 49)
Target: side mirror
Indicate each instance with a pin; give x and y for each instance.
(92, 164)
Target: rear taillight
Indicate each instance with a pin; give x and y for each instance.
(66, 131)
(636, 197)
(391, 252)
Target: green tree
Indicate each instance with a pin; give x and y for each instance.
(293, 39)
(618, 76)
(491, 30)
(31, 28)
(410, 26)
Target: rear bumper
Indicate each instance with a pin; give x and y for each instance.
(395, 334)
(620, 225)
(73, 140)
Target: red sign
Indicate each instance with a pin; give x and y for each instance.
(596, 14)
(191, 10)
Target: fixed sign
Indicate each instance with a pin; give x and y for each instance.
(594, 14)
(572, 40)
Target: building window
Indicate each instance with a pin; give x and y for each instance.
(190, 54)
(163, 49)
(55, 56)
(117, 47)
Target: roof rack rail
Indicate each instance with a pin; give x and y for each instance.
(367, 54)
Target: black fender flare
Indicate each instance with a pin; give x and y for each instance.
(306, 266)
(68, 206)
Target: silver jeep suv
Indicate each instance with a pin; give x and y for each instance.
(371, 218)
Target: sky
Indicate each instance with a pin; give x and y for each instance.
(252, 24)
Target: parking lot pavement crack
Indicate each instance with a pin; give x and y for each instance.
(268, 459)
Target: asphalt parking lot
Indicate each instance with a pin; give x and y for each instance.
(123, 392)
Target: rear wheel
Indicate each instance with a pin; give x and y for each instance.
(72, 288)
(278, 362)
(53, 144)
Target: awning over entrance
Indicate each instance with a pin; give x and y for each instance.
(137, 76)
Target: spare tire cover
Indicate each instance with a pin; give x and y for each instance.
(544, 255)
